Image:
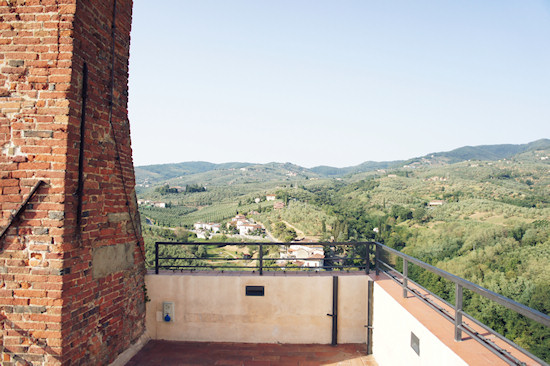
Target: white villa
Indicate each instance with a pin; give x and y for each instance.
(141, 202)
(245, 229)
(210, 226)
(303, 255)
(244, 225)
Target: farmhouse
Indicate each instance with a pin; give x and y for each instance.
(302, 255)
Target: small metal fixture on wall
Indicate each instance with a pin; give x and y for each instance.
(168, 311)
(415, 343)
(255, 291)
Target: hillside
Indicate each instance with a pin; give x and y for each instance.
(367, 166)
(243, 172)
(160, 172)
(485, 220)
(220, 174)
(482, 152)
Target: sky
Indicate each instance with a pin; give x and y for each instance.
(338, 83)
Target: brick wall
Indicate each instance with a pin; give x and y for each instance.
(71, 268)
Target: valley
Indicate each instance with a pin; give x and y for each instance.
(485, 220)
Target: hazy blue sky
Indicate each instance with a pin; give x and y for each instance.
(335, 82)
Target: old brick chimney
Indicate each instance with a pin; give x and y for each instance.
(72, 260)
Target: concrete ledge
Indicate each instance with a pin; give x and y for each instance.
(127, 355)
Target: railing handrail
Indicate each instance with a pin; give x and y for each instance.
(460, 284)
(261, 258)
(502, 300)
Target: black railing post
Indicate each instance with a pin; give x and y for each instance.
(334, 310)
(261, 255)
(331, 254)
(458, 312)
(367, 258)
(156, 258)
(405, 277)
(377, 258)
(370, 314)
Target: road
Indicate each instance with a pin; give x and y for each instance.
(301, 235)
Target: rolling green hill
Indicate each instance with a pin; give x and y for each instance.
(367, 166)
(160, 172)
(220, 174)
(483, 152)
(182, 173)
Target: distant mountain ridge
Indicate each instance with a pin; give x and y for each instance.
(482, 152)
(157, 172)
(197, 172)
(367, 166)
(161, 172)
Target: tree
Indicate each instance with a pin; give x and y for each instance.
(182, 235)
(165, 189)
(201, 252)
(290, 235)
(192, 188)
(419, 214)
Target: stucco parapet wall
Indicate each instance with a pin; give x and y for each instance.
(213, 307)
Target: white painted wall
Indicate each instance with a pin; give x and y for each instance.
(392, 327)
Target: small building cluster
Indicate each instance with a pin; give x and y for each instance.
(151, 203)
(302, 255)
(436, 179)
(205, 230)
(244, 226)
(434, 203)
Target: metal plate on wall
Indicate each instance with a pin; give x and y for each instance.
(415, 343)
(255, 291)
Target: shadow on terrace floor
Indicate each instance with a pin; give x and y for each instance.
(168, 353)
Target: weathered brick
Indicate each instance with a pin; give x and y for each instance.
(46, 275)
(40, 134)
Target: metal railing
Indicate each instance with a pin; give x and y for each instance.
(459, 313)
(263, 262)
(359, 256)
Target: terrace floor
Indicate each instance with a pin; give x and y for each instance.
(169, 353)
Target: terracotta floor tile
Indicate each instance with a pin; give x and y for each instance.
(168, 353)
(228, 363)
(271, 358)
(257, 363)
